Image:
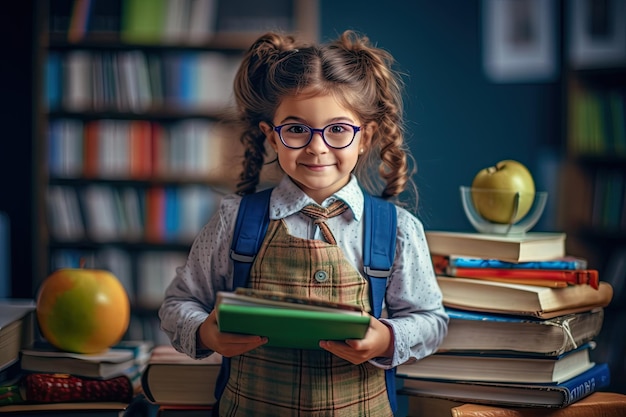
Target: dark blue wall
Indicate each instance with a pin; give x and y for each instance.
(458, 120)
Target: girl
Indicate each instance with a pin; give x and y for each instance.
(329, 112)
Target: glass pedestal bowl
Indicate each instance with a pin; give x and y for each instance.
(513, 226)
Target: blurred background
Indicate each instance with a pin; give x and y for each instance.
(538, 81)
(460, 120)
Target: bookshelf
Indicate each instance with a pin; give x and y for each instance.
(593, 207)
(135, 144)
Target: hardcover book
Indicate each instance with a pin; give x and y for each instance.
(171, 377)
(533, 246)
(518, 299)
(556, 278)
(289, 321)
(567, 262)
(512, 394)
(491, 367)
(477, 331)
(16, 332)
(63, 388)
(111, 363)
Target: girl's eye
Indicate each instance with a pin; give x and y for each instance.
(336, 129)
(298, 129)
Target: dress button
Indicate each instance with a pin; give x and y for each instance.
(320, 276)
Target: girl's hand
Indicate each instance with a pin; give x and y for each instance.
(226, 344)
(378, 342)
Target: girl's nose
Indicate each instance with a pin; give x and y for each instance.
(317, 144)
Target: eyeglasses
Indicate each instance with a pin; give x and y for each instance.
(298, 135)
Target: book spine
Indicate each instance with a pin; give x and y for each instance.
(586, 383)
(79, 20)
(52, 388)
(566, 263)
(586, 277)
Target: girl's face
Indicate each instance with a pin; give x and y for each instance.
(319, 170)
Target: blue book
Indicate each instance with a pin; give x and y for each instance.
(485, 332)
(53, 81)
(568, 262)
(510, 394)
(172, 223)
(188, 79)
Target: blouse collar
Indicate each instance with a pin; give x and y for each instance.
(287, 198)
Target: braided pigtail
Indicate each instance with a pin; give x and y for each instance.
(374, 91)
(256, 99)
(253, 161)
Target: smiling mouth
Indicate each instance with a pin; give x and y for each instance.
(316, 166)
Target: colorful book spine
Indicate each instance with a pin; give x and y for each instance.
(79, 20)
(567, 263)
(586, 383)
(556, 278)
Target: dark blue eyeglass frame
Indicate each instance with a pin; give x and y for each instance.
(312, 131)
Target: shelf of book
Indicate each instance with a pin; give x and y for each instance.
(135, 143)
(593, 180)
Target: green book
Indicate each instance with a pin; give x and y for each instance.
(143, 21)
(287, 321)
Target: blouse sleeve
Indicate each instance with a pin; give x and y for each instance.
(413, 299)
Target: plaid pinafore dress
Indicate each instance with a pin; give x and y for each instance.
(294, 382)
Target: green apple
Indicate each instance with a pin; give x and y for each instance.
(494, 191)
(82, 310)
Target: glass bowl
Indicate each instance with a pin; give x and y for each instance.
(513, 225)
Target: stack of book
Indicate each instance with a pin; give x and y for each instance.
(57, 382)
(523, 319)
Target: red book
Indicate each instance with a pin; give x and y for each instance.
(155, 214)
(542, 277)
(91, 151)
(158, 150)
(49, 388)
(140, 137)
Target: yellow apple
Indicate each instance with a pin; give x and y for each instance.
(494, 191)
(82, 310)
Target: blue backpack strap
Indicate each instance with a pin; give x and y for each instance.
(379, 247)
(252, 221)
(379, 250)
(250, 228)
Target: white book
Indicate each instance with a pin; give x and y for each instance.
(100, 213)
(71, 148)
(78, 87)
(202, 20)
(128, 81)
(176, 21)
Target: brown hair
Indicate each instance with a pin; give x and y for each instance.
(359, 75)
